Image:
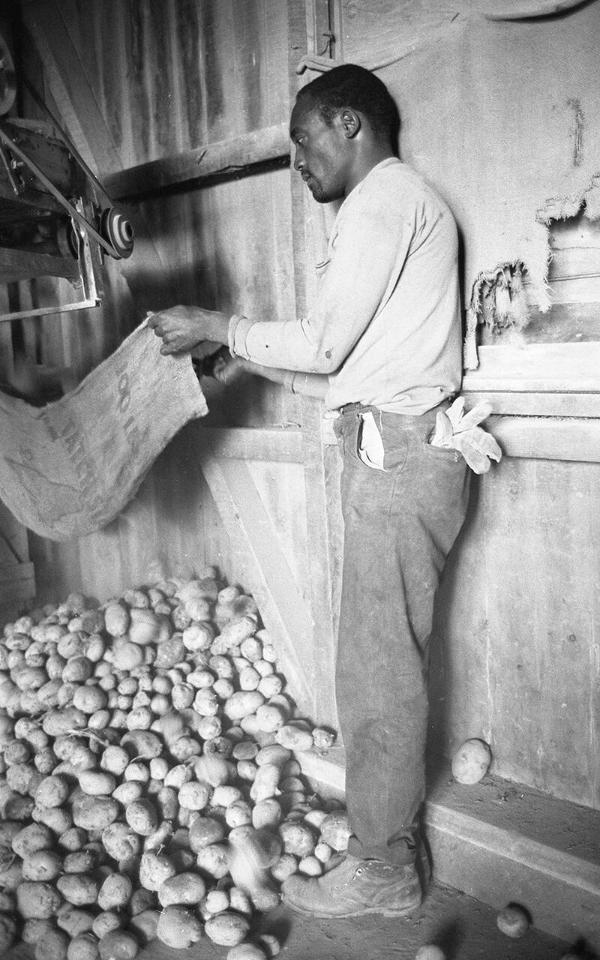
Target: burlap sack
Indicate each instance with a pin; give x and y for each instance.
(70, 467)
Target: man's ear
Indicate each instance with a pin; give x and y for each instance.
(351, 123)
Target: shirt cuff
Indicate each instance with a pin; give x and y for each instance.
(238, 331)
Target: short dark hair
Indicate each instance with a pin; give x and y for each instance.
(358, 88)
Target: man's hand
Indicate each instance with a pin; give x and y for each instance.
(183, 328)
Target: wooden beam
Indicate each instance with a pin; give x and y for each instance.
(22, 265)
(534, 404)
(253, 443)
(537, 367)
(548, 438)
(234, 156)
(316, 487)
(267, 574)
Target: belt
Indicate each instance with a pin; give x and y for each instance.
(349, 408)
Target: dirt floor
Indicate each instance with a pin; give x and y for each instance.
(464, 928)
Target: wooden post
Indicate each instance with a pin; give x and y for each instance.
(315, 480)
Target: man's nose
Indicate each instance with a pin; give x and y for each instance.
(298, 161)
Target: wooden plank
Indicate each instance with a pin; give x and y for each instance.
(547, 438)
(23, 265)
(553, 367)
(537, 404)
(235, 156)
(267, 575)
(283, 445)
(316, 486)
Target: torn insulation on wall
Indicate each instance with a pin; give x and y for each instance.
(499, 299)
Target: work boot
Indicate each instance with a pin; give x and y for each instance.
(354, 888)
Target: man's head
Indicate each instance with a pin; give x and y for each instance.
(342, 124)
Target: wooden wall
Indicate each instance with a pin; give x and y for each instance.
(517, 662)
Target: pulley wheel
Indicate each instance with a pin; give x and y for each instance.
(117, 230)
(8, 86)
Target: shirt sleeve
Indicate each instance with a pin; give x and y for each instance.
(372, 243)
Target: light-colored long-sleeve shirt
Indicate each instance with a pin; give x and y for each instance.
(385, 327)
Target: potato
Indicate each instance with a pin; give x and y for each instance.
(18, 808)
(142, 899)
(89, 699)
(54, 945)
(167, 802)
(214, 770)
(270, 719)
(34, 930)
(95, 813)
(146, 627)
(182, 695)
(72, 839)
(238, 813)
(34, 837)
(77, 670)
(58, 819)
(194, 795)
(144, 925)
(129, 791)
(118, 945)
(298, 838)
(227, 929)
(198, 636)
(80, 861)
(155, 868)
(74, 920)
(114, 759)
(42, 865)
(83, 947)
(205, 831)
(126, 655)
(265, 783)
(178, 926)
(121, 842)
(105, 922)
(471, 761)
(247, 770)
(214, 860)
(266, 813)
(142, 743)
(294, 738)
(513, 921)
(115, 892)
(270, 944)
(79, 889)
(57, 722)
(116, 619)
(97, 783)
(246, 951)
(335, 830)
(188, 888)
(142, 817)
(37, 900)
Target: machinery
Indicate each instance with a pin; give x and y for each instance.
(55, 217)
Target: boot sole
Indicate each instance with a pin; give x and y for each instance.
(359, 912)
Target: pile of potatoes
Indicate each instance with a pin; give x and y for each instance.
(148, 783)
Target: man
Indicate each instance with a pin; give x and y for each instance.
(382, 345)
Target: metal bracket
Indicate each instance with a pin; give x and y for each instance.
(92, 290)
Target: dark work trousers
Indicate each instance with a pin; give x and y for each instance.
(399, 526)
